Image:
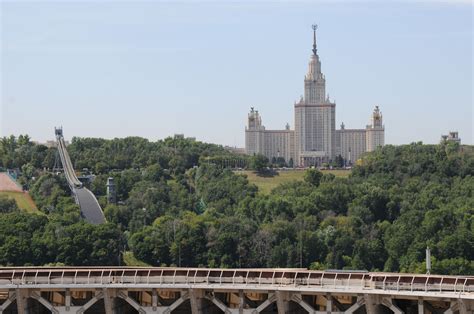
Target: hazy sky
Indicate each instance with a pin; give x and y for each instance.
(153, 69)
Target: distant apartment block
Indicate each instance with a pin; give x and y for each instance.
(451, 137)
(180, 136)
(235, 150)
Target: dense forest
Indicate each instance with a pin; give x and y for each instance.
(176, 206)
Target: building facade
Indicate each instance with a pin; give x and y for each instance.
(315, 139)
(451, 137)
(254, 134)
(271, 143)
(375, 131)
(350, 143)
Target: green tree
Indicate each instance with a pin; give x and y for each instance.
(313, 176)
(259, 163)
(291, 163)
(7, 204)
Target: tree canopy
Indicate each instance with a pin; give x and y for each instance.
(178, 205)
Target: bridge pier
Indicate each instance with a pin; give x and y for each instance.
(358, 304)
(297, 298)
(370, 304)
(283, 302)
(241, 301)
(328, 298)
(37, 296)
(196, 301)
(271, 298)
(10, 299)
(461, 306)
(97, 296)
(421, 306)
(109, 298)
(22, 301)
(209, 301)
(469, 306)
(221, 305)
(388, 302)
(155, 308)
(21, 297)
(67, 310)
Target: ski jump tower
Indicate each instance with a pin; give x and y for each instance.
(90, 208)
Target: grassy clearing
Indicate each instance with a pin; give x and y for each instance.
(23, 201)
(266, 184)
(130, 260)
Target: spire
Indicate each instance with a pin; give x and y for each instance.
(314, 27)
(315, 84)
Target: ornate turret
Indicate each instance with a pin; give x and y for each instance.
(254, 120)
(375, 131)
(376, 118)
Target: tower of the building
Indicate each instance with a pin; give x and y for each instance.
(375, 131)
(376, 118)
(111, 191)
(314, 116)
(254, 120)
(254, 133)
(314, 81)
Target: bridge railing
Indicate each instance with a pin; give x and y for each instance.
(253, 278)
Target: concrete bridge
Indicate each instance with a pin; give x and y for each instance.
(247, 291)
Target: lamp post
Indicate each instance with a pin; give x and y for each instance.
(179, 242)
(144, 216)
(428, 260)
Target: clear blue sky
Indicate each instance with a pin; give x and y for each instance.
(153, 69)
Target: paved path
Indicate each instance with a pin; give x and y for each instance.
(7, 184)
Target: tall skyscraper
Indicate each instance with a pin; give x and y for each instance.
(315, 139)
(315, 116)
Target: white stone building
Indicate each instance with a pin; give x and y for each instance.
(254, 134)
(375, 131)
(315, 139)
(350, 144)
(271, 143)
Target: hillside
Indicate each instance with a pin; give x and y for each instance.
(23, 200)
(179, 206)
(11, 189)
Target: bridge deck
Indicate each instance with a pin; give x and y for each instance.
(249, 279)
(244, 291)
